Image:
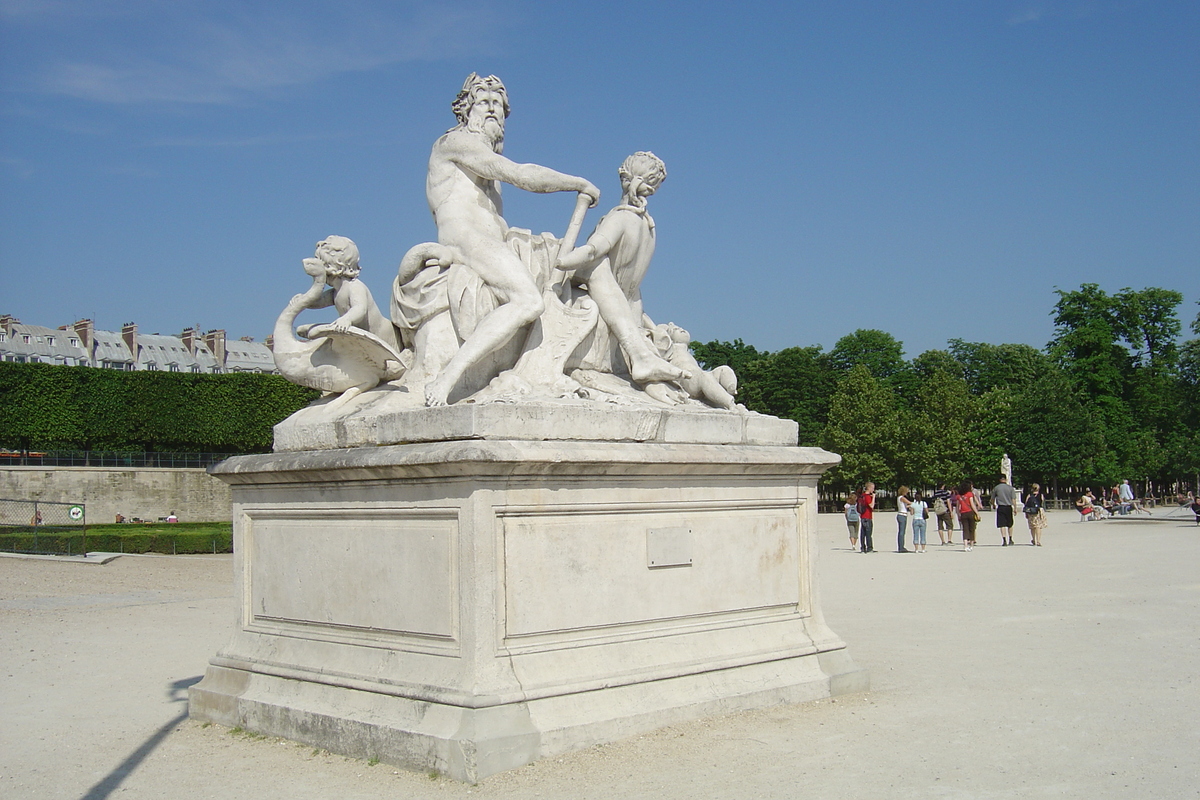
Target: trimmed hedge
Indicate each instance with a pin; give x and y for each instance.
(173, 539)
(44, 406)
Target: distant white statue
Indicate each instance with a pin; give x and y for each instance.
(1006, 468)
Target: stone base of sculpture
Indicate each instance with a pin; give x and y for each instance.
(470, 606)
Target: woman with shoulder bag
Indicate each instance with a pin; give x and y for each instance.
(1035, 513)
(968, 513)
(920, 514)
(851, 510)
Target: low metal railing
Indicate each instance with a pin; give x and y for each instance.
(110, 458)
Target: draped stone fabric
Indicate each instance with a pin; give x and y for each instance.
(461, 291)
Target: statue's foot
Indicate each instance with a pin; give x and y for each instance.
(653, 369)
(436, 394)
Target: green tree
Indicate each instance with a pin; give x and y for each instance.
(1149, 324)
(1054, 438)
(930, 362)
(864, 428)
(1086, 340)
(991, 366)
(794, 383)
(934, 433)
(879, 352)
(736, 354)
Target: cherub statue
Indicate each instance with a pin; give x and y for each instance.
(716, 388)
(354, 353)
(338, 257)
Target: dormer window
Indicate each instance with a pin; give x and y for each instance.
(50, 340)
(25, 338)
(74, 342)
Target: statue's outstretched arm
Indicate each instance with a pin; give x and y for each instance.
(479, 159)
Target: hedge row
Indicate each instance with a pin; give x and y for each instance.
(43, 406)
(73, 543)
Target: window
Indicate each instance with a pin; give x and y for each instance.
(50, 340)
(196, 368)
(25, 338)
(73, 341)
(174, 368)
(151, 366)
(2, 336)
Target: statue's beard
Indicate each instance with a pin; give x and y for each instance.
(490, 129)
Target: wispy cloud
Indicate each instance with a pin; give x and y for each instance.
(188, 52)
(17, 166)
(271, 140)
(1026, 15)
(130, 171)
(1056, 9)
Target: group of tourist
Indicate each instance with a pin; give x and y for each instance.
(1118, 500)
(913, 511)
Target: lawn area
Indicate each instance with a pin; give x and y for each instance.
(157, 537)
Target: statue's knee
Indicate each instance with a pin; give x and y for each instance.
(531, 307)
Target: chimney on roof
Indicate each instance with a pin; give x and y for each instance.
(270, 342)
(190, 337)
(215, 341)
(85, 329)
(130, 337)
(8, 320)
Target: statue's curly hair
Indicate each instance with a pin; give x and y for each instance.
(340, 256)
(471, 87)
(645, 165)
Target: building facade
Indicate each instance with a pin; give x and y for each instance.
(82, 345)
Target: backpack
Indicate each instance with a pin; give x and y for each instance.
(861, 506)
(852, 514)
(939, 506)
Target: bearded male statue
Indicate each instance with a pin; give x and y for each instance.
(462, 186)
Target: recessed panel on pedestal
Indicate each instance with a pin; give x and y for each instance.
(332, 573)
(586, 567)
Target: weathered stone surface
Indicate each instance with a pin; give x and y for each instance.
(470, 606)
(389, 420)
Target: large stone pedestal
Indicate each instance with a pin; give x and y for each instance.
(471, 606)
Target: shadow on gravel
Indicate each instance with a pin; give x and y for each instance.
(178, 694)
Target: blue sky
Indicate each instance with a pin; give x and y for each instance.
(933, 169)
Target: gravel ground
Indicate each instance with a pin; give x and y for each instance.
(1068, 670)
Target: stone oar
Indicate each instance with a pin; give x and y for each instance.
(582, 203)
(552, 338)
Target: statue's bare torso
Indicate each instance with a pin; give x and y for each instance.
(463, 190)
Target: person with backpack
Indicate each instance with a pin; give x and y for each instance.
(944, 513)
(866, 515)
(852, 519)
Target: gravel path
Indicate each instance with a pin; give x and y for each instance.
(1068, 670)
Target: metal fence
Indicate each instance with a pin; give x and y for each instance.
(36, 526)
(109, 458)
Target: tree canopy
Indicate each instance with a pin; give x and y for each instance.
(1114, 395)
